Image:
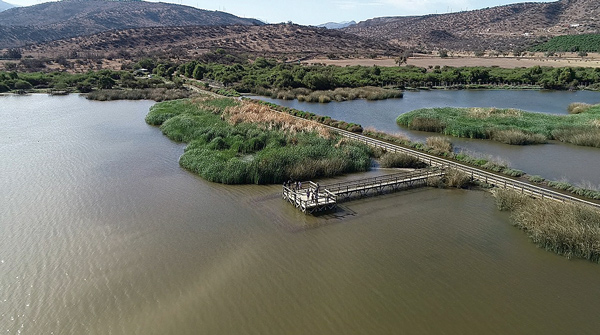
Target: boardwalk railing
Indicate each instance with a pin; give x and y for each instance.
(310, 197)
(382, 184)
(475, 173)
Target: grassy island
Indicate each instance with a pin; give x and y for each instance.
(510, 126)
(241, 142)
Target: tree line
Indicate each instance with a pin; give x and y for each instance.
(268, 74)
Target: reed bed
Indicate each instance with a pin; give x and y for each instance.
(156, 94)
(439, 145)
(325, 96)
(509, 125)
(265, 117)
(400, 160)
(452, 179)
(517, 137)
(236, 142)
(578, 108)
(567, 229)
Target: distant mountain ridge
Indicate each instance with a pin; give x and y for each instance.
(5, 5)
(508, 26)
(57, 20)
(337, 25)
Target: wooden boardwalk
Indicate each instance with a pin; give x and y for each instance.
(310, 197)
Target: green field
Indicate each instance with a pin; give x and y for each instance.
(570, 43)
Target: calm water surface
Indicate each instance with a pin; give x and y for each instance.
(101, 232)
(555, 161)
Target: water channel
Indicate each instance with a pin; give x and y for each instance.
(554, 161)
(101, 232)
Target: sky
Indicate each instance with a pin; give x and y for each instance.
(314, 12)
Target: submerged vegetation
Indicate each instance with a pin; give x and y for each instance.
(236, 142)
(510, 126)
(568, 229)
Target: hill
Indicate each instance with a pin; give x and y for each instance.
(58, 20)
(279, 40)
(336, 25)
(499, 28)
(4, 6)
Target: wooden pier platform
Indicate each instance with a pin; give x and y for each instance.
(312, 197)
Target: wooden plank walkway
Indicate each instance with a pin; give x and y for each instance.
(310, 197)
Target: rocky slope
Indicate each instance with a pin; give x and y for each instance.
(58, 20)
(279, 40)
(500, 28)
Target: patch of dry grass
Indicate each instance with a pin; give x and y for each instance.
(250, 112)
(484, 113)
(578, 108)
(518, 137)
(439, 145)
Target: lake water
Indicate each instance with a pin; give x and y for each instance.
(555, 161)
(101, 232)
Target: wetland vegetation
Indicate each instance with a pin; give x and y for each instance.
(510, 126)
(568, 229)
(235, 142)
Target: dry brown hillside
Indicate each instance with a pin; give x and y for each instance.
(69, 18)
(185, 42)
(500, 28)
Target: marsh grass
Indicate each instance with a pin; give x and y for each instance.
(584, 189)
(452, 178)
(578, 108)
(517, 137)
(156, 94)
(240, 142)
(536, 179)
(584, 136)
(509, 200)
(567, 229)
(392, 138)
(508, 125)
(400, 160)
(429, 124)
(326, 96)
(439, 145)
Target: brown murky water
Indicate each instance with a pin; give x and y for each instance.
(102, 233)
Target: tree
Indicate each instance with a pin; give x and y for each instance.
(105, 82)
(13, 54)
(199, 72)
(402, 59)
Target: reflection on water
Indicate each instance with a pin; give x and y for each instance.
(553, 161)
(101, 232)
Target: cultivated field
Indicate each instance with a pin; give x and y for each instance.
(592, 60)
